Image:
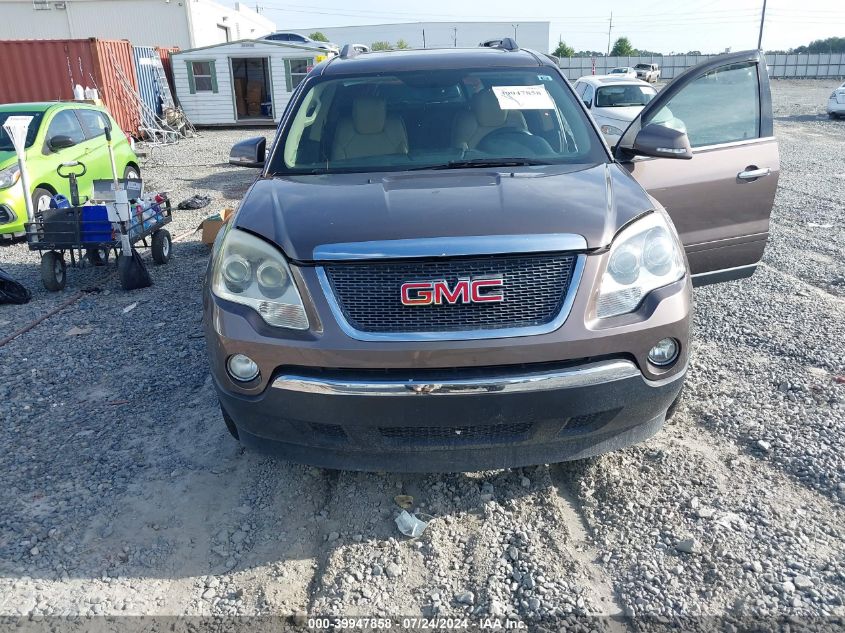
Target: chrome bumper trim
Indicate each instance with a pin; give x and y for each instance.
(451, 247)
(582, 376)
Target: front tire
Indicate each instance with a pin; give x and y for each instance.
(97, 256)
(53, 271)
(131, 172)
(230, 424)
(41, 200)
(675, 404)
(161, 246)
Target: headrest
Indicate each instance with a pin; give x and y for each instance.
(486, 109)
(368, 115)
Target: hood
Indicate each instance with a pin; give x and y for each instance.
(7, 158)
(302, 212)
(626, 114)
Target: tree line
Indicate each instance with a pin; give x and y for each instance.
(622, 47)
(829, 45)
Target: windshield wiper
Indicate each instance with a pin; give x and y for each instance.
(485, 162)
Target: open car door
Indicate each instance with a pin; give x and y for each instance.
(704, 148)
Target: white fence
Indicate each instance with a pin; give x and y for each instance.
(799, 66)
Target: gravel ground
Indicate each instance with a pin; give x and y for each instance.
(122, 493)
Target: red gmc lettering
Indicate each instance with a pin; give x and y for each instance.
(464, 291)
(480, 284)
(442, 292)
(417, 294)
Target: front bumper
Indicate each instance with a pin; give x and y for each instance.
(447, 420)
(12, 212)
(834, 107)
(322, 399)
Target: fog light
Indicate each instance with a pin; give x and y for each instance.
(242, 368)
(664, 353)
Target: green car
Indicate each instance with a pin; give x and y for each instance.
(60, 132)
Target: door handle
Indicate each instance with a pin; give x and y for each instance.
(754, 174)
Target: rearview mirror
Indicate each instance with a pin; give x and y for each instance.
(249, 153)
(60, 141)
(662, 142)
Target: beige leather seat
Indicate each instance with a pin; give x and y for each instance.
(484, 116)
(369, 132)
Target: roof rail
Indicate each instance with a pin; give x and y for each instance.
(505, 43)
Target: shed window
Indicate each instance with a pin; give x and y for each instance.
(203, 73)
(297, 69)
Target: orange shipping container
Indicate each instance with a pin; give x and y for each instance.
(47, 70)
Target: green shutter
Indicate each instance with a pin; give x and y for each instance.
(288, 78)
(192, 87)
(213, 76)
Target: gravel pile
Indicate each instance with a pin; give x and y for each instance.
(122, 493)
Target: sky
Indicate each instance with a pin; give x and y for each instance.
(665, 26)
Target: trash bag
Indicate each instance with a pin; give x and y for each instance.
(132, 272)
(12, 291)
(197, 201)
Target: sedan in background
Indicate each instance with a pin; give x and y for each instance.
(296, 38)
(623, 71)
(836, 103)
(614, 102)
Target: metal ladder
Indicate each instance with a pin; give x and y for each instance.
(162, 84)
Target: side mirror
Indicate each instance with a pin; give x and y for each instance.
(588, 102)
(249, 153)
(60, 141)
(662, 142)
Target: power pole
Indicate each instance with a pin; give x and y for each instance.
(762, 20)
(609, 29)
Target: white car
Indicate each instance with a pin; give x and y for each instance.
(623, 71)
(836, 103)
(613, 102)
(296, 38)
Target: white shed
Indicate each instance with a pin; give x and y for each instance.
(247, 82)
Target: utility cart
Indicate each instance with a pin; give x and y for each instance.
(89, 234)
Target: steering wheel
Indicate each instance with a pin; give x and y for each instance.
(492, 141)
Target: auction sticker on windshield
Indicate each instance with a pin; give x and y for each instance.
(523, 98)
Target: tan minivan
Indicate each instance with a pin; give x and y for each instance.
(443, 267)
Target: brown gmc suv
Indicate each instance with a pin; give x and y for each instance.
(443, 267)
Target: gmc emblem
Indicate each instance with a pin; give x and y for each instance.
(424, 293)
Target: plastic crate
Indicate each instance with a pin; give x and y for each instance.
(96, 227)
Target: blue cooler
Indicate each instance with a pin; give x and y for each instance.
(95, 224)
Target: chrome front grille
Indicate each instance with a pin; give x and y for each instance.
(536, 287)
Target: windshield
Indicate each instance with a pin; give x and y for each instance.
(436, 119)
(618, 71)
(643, 66)
(32, 132)
(623, 96)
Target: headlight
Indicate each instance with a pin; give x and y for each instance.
(643, 258)
(609, 129)
(9, 176)
(249, 271)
